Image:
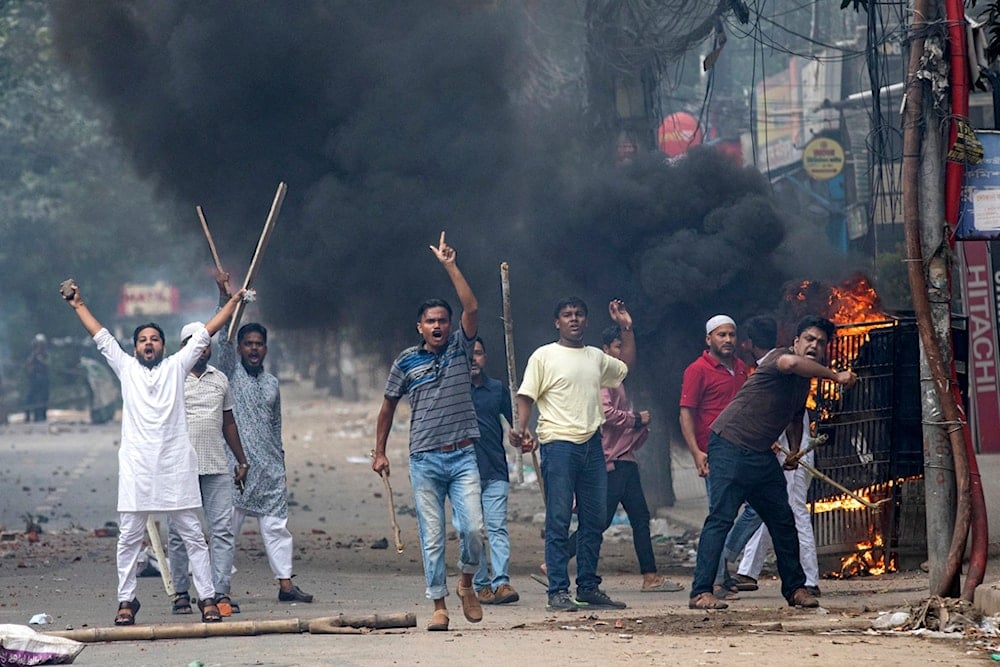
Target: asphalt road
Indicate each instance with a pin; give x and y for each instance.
(67, 473)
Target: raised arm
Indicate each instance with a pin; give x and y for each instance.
(470, 306)
(224, 314)
(619, 313)
(75, 301)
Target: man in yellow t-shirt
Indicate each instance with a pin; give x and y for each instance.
(565, 379)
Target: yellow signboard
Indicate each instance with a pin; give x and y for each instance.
(823, 158)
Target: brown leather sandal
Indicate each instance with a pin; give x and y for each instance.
(126, 612)
(209, 611)
(706, 601)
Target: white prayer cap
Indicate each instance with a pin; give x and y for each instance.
(716, 322)
(189, 330)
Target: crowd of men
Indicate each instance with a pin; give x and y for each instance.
(186, 425)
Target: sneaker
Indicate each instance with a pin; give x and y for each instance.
(598, 599)
(294, 594)
(505, 594)
(486, 595)
(802, 598)
(561, 601)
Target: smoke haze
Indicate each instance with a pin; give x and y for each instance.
(392, 121)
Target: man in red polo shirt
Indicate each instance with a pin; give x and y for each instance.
(710, 383)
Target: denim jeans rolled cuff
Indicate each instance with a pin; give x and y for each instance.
(435, 476)
(574, 471)
(495, 493)
(742, 531)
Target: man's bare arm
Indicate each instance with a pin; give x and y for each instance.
(470, 305)
(231, 434)
(691, 440)
(620, 315)
(224, 314)
(88, 320)
(382, 427)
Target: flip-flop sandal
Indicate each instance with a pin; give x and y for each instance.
(226, 606)
(722, 593)
(126, 612)
(665, 586)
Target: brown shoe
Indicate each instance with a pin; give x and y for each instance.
(742, 582)
(470, 604)
(505, 594)
(802, 598)
(486, 596)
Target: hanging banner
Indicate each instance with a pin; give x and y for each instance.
(981, 287)
(979, 209)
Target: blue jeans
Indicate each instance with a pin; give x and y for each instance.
(573, 471)
(455, 475)
(741, 475)
(625, 488)
(495, 493)
(742, 531)
(217, 501)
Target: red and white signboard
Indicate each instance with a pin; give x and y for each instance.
(981, 287)
(141, 300)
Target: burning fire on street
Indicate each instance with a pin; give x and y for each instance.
(861, 519)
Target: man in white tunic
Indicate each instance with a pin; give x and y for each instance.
(157, 466)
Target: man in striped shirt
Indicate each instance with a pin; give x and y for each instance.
(434, 376)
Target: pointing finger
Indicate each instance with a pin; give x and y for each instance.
(441, 244)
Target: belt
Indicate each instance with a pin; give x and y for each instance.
(458, 445)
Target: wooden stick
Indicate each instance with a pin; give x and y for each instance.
(156, 544)
(326, 625)
(208, 235)
(508, 336)
(832, 482)
(392, 512)
(265, 234)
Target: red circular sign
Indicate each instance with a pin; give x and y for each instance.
(678, 132)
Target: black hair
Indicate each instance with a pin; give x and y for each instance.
(147, 325)
(433, 303)
(569, 301)
(821, 323)
(250, 327)
(479, 340)
(611, 334)
(761, 331)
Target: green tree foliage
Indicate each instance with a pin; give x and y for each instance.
(70, 204)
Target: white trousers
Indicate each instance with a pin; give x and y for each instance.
(797, 482)
(132, 530)
(277, 540)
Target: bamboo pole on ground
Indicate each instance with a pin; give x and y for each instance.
(326, 625)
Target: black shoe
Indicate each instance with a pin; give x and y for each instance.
(294, 594)
(598, 599)
(561, 601)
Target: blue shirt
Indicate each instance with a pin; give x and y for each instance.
(437, 386)
(492, 399)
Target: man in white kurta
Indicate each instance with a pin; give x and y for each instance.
(158, 467)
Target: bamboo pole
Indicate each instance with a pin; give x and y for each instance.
(392, 512)
(834, 483)
(324, 626)
(265, 235)
(156, 545)
(508, 336)
(208, 235)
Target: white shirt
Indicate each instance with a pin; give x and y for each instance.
(157, 466)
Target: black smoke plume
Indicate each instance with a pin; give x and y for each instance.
(391, 121)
